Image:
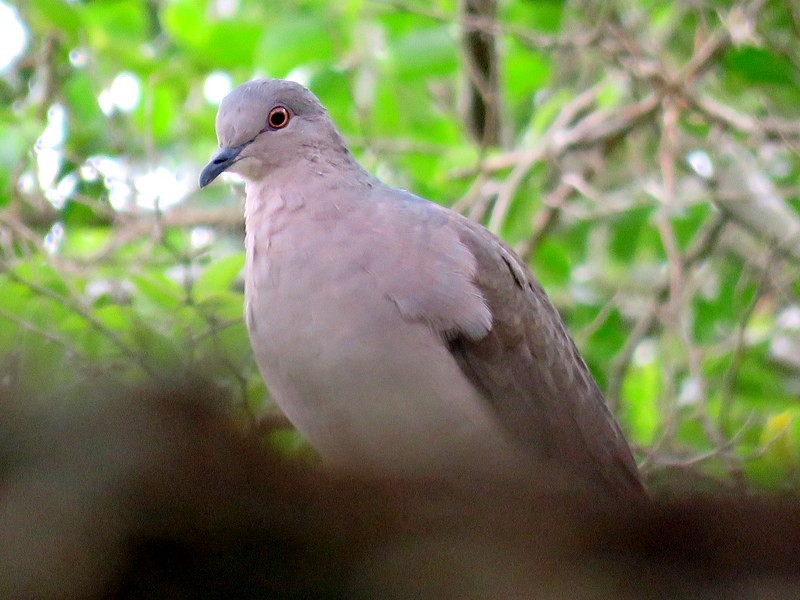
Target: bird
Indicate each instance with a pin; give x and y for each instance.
(395, 334)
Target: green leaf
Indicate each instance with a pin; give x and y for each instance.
(115, 24)
(159, 289)
(546, 112)
(424, 53)
(38, 273)
(157, 111)
(87, 124)
(626, 229)
(526, 73)
(219, 276)
(162, 352)
(113, 317)
(544, 15)
(640, 392)
(54, 16)
(291, 41)
(552, 265)
(231, 44)
(185, 22)
(83, 242)
(760, 65)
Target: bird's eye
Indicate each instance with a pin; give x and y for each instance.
(278, 118)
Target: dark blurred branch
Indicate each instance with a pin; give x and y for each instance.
(482, 104)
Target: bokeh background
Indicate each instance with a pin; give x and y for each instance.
(642, 156)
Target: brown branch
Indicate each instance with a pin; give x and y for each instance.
(599, 127)
(47, 335)
(730, 118)
(701, 247)
(545, 220)
(76, 307)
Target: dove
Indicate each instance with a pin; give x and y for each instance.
(395, 334)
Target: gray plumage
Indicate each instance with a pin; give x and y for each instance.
(394, 333)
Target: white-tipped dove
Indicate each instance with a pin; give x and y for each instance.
(394, 333)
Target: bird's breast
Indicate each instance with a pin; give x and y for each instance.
(366, 386)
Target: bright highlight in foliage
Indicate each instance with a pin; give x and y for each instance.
(13, 38)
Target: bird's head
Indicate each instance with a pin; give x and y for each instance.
(265, 124)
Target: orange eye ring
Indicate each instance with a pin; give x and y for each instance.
(278, 118)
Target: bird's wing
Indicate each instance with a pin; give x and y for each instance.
(501, 329)
(528, 368)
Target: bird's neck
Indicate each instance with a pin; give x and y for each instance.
(314, 187)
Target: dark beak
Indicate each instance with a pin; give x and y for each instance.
(219, 162)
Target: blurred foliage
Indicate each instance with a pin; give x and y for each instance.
(649, 172)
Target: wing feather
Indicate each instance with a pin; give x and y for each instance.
(529, 369)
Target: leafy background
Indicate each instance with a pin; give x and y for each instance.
(641, 156)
